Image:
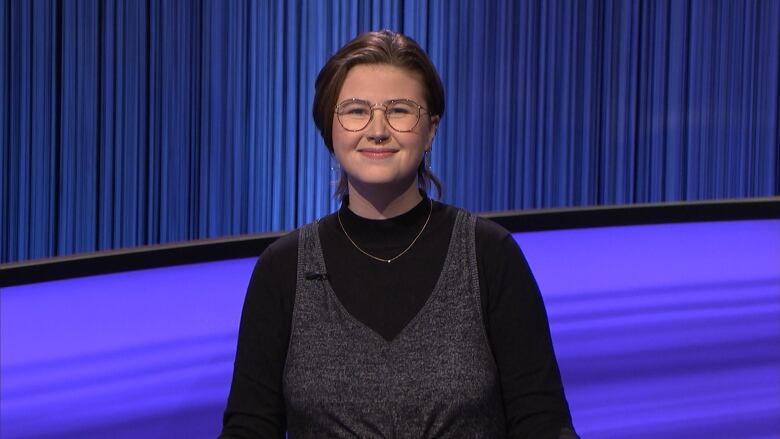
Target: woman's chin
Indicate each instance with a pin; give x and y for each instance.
(381, 182)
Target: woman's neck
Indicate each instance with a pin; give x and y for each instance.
(382, 202)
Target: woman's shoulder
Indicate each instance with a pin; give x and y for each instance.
(496, 247)
(282, 248)
(285, 248)
(492, 232)
(488, 232)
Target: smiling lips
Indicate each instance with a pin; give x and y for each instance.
(377, 153)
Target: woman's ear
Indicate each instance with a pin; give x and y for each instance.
(434, 125)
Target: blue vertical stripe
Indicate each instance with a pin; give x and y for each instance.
(123, 126)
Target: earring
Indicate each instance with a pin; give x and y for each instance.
(335, 166)
(428, 159)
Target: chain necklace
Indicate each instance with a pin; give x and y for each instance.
(338, 214)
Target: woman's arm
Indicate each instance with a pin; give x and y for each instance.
(255, 406)
(519, 334)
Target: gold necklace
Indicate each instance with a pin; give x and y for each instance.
(338, 214)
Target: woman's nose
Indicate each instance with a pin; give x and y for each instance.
(378, 131)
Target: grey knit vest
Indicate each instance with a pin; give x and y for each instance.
(436, 378)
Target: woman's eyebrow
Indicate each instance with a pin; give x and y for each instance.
(373, 103)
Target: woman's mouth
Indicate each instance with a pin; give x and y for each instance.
(377, 153)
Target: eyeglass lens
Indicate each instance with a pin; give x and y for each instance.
(400, 115)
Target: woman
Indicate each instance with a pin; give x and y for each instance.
(396, 316)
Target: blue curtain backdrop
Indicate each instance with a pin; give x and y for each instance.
(125, 123)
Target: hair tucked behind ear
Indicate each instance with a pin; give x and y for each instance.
(382, 47)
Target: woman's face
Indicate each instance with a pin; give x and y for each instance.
(378, 155)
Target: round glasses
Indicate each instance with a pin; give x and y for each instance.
(401, 114)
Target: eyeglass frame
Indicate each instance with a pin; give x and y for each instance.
(384, 106)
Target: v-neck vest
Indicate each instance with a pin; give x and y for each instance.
(436, 378)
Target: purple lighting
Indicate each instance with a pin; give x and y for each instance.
(103, 350)
(667, 331)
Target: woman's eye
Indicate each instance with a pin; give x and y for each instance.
(356, 111)
(399, 110)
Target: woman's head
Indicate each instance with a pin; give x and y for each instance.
(380, 54)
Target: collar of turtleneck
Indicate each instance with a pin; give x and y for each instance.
(385, 234)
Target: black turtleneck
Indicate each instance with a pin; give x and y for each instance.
(385, 297)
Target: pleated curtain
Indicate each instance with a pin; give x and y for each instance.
(128, 123)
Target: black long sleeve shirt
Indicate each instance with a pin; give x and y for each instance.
(385, 297)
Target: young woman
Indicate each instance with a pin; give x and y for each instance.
(396, 316)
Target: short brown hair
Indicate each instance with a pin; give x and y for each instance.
(382, 47)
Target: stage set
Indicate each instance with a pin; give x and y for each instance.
(665, 321)
(151, 150)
